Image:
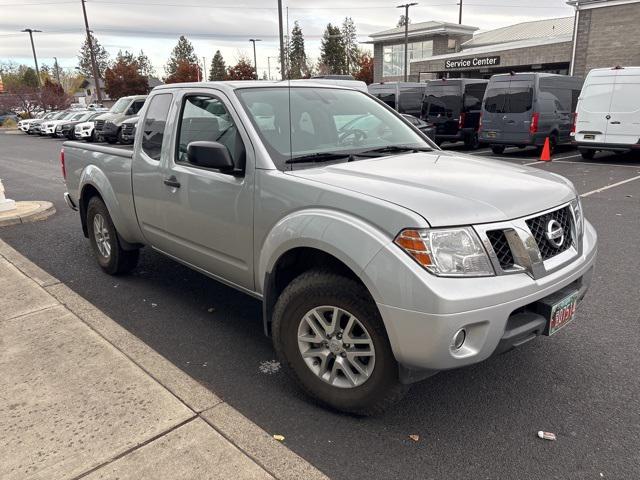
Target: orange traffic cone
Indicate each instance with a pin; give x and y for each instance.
(546, 151)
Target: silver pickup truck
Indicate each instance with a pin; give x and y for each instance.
(379, 258)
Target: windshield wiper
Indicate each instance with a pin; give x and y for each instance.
(376, 152)
(318, 157)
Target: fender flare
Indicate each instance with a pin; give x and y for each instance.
(93, 176)
(350, 239)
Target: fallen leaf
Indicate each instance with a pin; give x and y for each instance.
(415, 438)
(280, 438)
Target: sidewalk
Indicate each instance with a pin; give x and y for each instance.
(80, 397)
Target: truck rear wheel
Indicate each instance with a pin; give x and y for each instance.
(588, 154)
(112, 258)
(329, 335)
(497, 149)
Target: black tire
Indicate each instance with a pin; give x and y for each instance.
(588, 154)
(497, 149)
(91, 138)
(472, 142)
(317, 288)
(119, 137)
(119, 260)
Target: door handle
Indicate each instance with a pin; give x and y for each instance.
(615, 123)
(172, 182)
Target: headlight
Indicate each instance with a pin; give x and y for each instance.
(446, 252)
(576, 205)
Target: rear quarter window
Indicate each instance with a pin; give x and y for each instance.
(154, 125)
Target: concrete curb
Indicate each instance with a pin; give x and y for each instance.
(27, 212)
(249, 438)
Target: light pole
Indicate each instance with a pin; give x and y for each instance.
(406, 37)
(460, 13)
(94, 65)
(255, 62)
(33, 48)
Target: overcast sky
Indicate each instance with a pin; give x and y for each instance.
(154, 25)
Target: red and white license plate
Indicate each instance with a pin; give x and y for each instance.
(562, 313)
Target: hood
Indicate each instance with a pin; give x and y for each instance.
(110, 117)
(449, 189)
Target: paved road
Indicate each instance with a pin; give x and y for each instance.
(477, 422)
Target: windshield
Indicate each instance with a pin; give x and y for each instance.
(120, 106)
(79, 116)
(321, 121)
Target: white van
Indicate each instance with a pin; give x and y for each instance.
(608, 112)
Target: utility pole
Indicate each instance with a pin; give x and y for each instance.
(281, 32)
(56, 67)
(255, 61)
(94, 65)
(460, 14)
(204, 71)
(33, 49)
(406, 37)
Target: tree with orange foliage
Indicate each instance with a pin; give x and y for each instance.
(124, 78)
(243, 70)
(185, 72)
(365, 68)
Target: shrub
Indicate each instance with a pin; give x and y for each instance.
(9, 123)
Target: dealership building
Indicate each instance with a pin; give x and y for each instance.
(602, 33)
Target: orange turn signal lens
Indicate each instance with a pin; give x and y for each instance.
(411, 241)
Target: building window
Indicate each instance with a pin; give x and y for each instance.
(393, 56)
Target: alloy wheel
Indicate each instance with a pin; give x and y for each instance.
(336, 346)
(101, 234)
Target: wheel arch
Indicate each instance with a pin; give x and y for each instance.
(316, 239)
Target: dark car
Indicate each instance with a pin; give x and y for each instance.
(453, 106)
(523, 109)
(405, 97)
(426, 128)
(128, 130)
(67, 129)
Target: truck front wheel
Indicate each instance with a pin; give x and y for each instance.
(329, 335)
(112, 258)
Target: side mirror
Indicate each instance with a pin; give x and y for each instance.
(210, 155)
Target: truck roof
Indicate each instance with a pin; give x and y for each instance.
(237, 84)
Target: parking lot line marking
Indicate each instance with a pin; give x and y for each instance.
(637, 167)
(610, 186)
(568, 156)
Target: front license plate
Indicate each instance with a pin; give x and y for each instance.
(562, 313)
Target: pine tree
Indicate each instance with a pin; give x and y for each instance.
(350, 42)
(332, 53)
(182, 52)
(145, 65)
(84, 59)
(297, 57)
(29, 78)
(218, 69)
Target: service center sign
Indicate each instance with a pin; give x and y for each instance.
(472, 62)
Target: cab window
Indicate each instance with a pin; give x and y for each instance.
(205, 118)
(154, 125)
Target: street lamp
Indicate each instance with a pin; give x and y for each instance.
(255, 62)
(35, 59)
(406, 36)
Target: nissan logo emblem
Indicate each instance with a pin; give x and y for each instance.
(554, 233)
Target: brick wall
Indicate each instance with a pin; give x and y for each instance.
(608, 36)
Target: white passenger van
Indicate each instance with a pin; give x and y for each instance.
(608, 112)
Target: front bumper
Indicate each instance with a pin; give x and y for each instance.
(422, 312)
(83, 133)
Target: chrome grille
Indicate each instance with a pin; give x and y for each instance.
(99, 125)
(501, 248)
(538, 226)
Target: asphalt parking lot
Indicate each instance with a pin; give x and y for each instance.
(476, 422)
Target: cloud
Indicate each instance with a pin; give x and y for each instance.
(154, 25)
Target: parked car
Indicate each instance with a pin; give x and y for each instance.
(453, 106)
(428, 129)
(23, 125)
(86, 130)
(8, 116)
(608, 113)
(107, 125)
(405, 97)
(522, 109)
(48, 127)
(128, 130)
(34, 127)
(67, 128)
(379, 260)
